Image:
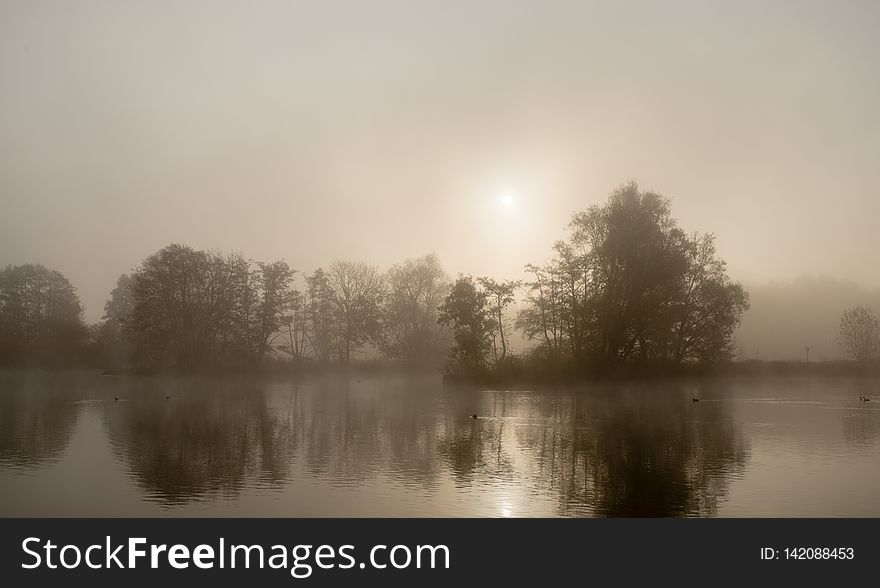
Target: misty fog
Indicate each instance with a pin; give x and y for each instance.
(313, 131)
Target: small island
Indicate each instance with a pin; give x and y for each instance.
(627, 293)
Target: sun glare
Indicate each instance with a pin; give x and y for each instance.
(507, 199)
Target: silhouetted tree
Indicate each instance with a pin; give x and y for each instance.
(465, 310)
(634, 255)
(320, 316)
(415, 290)
(40, 317)
(276, 300)
(119, 307)
(185, 303)
(499, 296)
(357, 293)
(113, 335)
(38, 415)
(293, 332)
(630, 285)
(860, 333)
(707, 307)
(542, 319)
(211, 443)
(194, 308)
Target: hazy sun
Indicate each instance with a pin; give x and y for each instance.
(507, 199)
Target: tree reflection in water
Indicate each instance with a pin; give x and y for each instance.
(621, 450)
(38, 412)
(632, 453)
(209, 438)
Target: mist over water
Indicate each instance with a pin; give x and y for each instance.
(385, 445)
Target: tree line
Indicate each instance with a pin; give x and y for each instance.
(185, 308)
(627, 285)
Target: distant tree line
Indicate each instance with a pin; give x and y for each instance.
(626, 286)
(185, 308)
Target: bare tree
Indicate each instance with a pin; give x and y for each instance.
(415, 290)
(192, 308)
(465, 311)
(860, 333)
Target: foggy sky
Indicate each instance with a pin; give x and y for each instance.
(383, 130)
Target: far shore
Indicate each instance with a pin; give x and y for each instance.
(514, 378)
(667, 372)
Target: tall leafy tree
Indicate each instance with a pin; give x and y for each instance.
(276, 301)
(499, 296)
(630, 285)
(40, 316)
(465, 311)
(294, 328)
(542, 317)
(321, 326)
(357, 292)
(114, 332)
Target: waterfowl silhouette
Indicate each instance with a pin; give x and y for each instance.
(167, 397)
(695, 399)
(473, 416)
(115, 398)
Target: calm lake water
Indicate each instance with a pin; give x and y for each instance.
(405, 446)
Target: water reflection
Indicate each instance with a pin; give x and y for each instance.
(195, 439)
(391, 446)
(354, 429)
(475, 450)
(637, 454)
